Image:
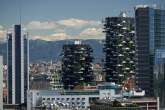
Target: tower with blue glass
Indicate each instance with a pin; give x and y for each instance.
(150, 45)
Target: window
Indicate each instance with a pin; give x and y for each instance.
(38, 94)
(109, 93)
(83, 103)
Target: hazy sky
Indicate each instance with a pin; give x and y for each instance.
(63, 19)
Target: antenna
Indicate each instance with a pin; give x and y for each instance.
(158, 4)
(20, 10)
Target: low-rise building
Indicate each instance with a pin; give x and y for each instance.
(14, 107)
(138, 103)
(133, 93)
(69, 99)
(107, 107)
(146, 103)
(84, 98)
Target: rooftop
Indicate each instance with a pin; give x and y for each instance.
(145, 6)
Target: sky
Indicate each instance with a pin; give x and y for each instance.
(53, 20)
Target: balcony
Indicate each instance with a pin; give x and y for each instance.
(119, 25)
(119, 65)
(120, 35)
(120, 45)
(123, 62)
(120, 55)
(124, 28)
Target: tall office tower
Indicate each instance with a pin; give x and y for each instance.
(26, 65)
(150, 42)
(159, 76)
(18, 61)
(76, 66)
(1, 83)
(119, 48)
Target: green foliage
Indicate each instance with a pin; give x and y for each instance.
(34, 73)
(131, 105)
(94, 102)
(117, 105)
(52, 71)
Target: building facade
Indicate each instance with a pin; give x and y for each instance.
(83, 99)
(108, 107)
(150, 41)
(119, 48)
(80, 99)
(143, 103)
(17, 61)
(1, 83)
(144, 48)
(55, 81)
(76, 66)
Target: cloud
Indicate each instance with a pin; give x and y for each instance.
(39, 37)
(59, 36)
(1, 27)
(2, 34)
(77, 23)
(53, 37)
(71, 23)
(37, 25)
(89, 33)
(92, 33)
(60, 30)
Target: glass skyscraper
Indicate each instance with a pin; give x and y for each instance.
(150, 45)
(144, 48)
(26, 65)
(9, 64)
(17, 60)
(160, 55)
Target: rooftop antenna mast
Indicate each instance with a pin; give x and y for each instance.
(20, 11)
(158, 5)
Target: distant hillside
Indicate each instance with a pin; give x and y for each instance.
(47, 50)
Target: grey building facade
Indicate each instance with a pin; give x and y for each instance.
(17, 61)
(1, 83)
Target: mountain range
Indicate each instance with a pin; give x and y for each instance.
(40, 50)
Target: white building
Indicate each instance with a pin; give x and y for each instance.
(133, 93)
(70, 99)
